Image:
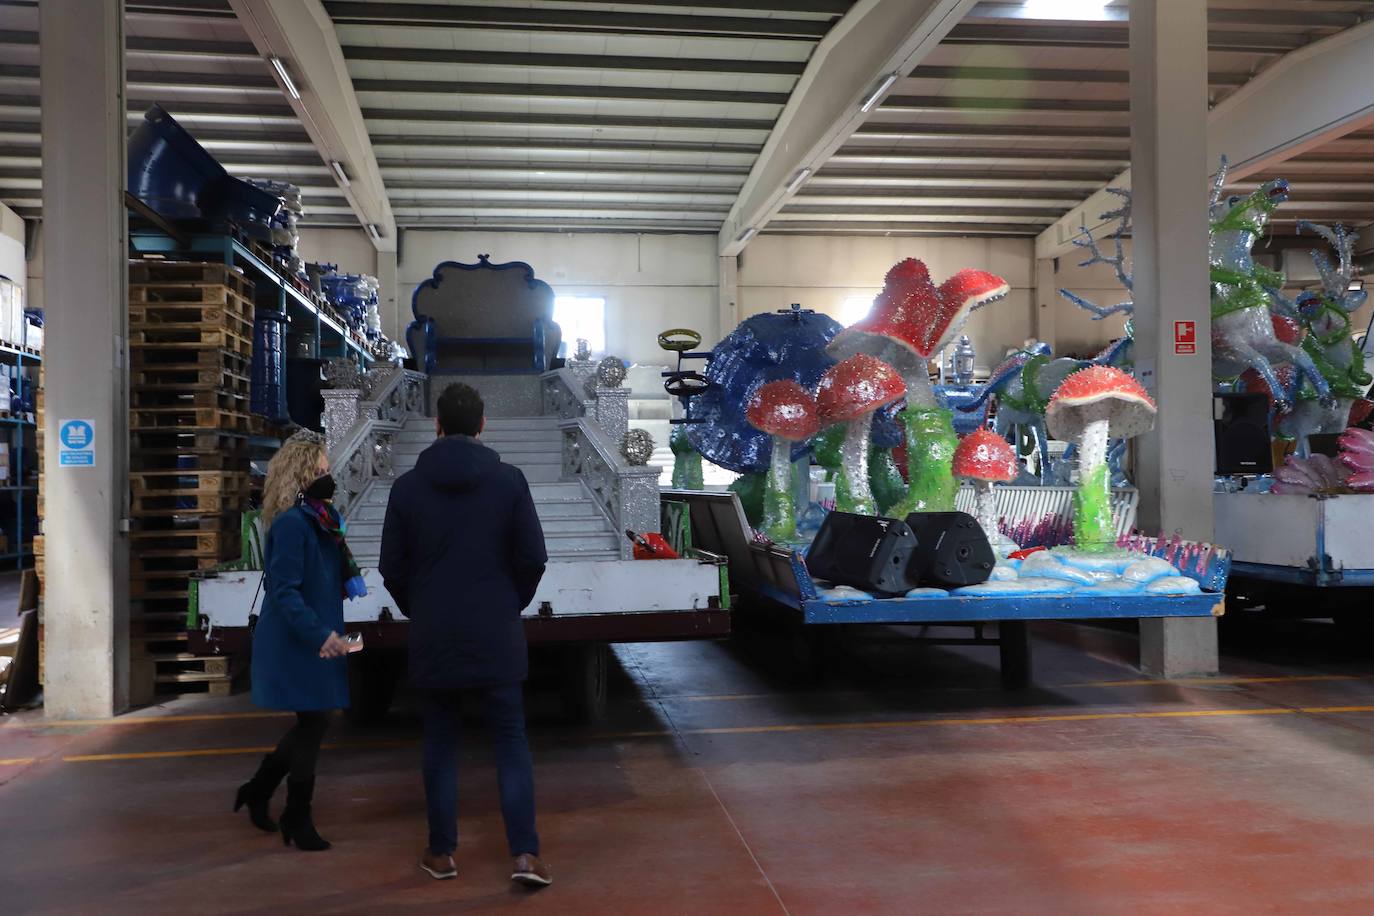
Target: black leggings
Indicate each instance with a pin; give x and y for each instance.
(300, 746)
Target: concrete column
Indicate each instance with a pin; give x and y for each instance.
(388, 304)
(1169, 172)
(86, 611)
(728, 299)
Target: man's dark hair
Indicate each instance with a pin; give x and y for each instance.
(460, 410)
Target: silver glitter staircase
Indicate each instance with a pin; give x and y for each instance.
(574, 528)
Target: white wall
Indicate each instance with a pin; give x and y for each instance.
(820, 272)
(650, 282)
(12, 260)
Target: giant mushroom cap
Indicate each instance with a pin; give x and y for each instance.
(855, 387)
(784, 409)
(912, 318)
(1100, 393)
(984, 455)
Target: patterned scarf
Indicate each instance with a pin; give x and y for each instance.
(332, 524)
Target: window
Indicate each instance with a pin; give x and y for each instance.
(854, 308)
(581, 316)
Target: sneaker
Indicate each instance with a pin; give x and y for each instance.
(529, 871)
(439, 867)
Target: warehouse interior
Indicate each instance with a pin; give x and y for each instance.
(636, 227)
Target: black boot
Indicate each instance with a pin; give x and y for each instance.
(296, 825)
(256, 793)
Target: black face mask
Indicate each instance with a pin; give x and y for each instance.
(322, 488)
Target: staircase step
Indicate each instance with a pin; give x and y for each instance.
(503, 424)
(588, 522)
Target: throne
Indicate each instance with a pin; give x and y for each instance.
(483, 319)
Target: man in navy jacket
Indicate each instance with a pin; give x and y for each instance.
(462, 554)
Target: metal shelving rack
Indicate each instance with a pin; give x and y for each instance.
(21, 544)
(331, 339)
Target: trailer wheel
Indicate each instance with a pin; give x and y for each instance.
(372, 680)
(1014, 649)
(584, 682)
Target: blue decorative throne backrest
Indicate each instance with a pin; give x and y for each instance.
(486, 301)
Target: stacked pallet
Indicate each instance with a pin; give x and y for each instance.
(190, 343)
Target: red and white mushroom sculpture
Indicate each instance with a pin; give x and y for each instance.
(850, 392)
(1090, 406)
(912, 319)
(788, 413)
(985, 458)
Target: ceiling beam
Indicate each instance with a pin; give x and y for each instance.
(577, 21)
(301, 35)
(857, 62)
(554, 61)
(1301, 101)
(566, 91)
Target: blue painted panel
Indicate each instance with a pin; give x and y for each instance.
(1298, 575)
(1027, 607)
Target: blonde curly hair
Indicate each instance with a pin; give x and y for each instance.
(291, 470)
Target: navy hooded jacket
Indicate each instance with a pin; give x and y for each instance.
(462, 554)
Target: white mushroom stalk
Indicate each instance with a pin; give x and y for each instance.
(854, 466)
(985, 509)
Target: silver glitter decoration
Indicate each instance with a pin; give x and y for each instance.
(342, 373)
(637, 446)
(613, 411)
(584, 350)
(340, 413)
(610, 372)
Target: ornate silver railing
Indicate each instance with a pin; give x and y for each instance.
(565, 395)
(627, 494)
(361, 426)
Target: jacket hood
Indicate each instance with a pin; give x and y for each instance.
(456, 463)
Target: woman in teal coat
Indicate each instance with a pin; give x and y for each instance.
(299, 660)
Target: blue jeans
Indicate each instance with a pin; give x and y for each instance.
(505, 713)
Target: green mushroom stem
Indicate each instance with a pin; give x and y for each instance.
(930, 445)
(687, 471)
(1093, 528)
(885, 479)
(779, 513)
(852, 492)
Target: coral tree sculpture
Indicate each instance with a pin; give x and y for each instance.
(849, 393)
(787, 412)
(912, 319)
(985, 458)
(1090, 406)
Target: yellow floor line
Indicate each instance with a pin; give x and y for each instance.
(1204, 681)
(15, 761)
(147, 720)
(226, 751)
(778, 729)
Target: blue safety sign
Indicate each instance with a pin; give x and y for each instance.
(76, 444)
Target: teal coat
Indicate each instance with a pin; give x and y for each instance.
(302, 604)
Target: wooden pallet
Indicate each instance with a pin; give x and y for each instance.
(164, 573)
(192, 682)
(182, 378)
(174, 459)
(237, 292)
(164, 504)
(187, 483)
(231, 522)
(189, 358)
(236, 316)
(192, 418)
(189, 336)
(194, 542)
(160, 271)
(199, 397)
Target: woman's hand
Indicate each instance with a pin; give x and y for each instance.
(334, 647)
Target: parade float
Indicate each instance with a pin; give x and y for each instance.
(787, 388)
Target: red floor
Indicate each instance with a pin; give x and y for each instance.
(909, 783)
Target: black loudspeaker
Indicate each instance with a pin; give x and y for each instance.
(1241, 422)
(951, 550)
(873, 554)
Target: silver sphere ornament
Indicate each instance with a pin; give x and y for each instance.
(637, 447)
(610, 372)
